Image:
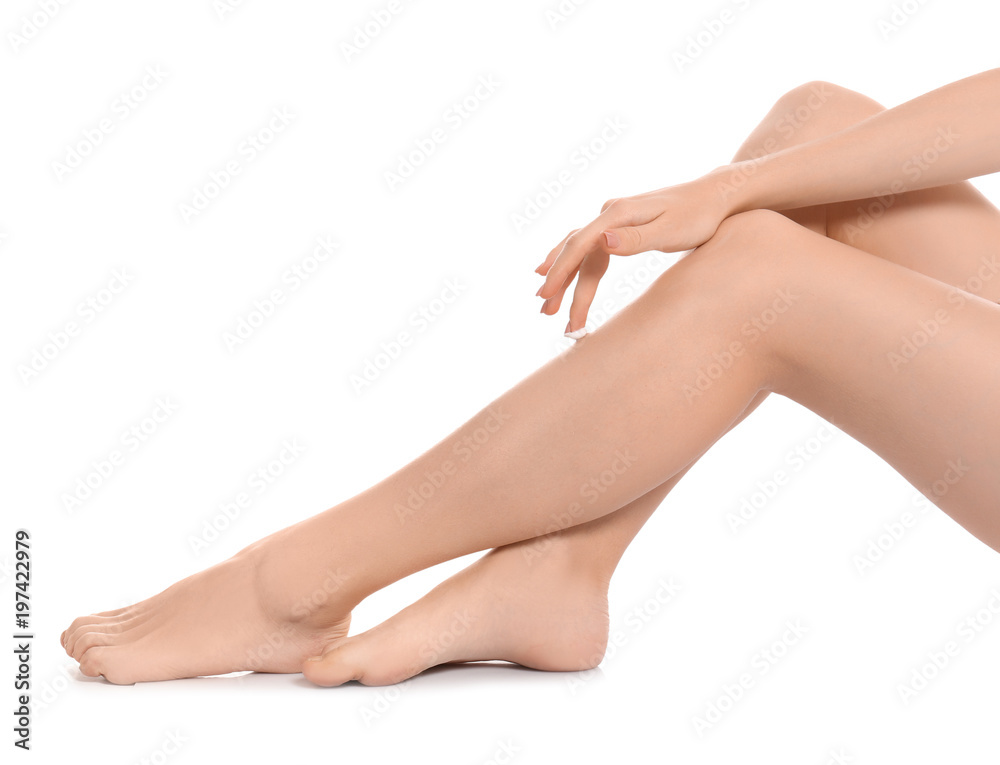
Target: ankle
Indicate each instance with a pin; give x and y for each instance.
(580, 557)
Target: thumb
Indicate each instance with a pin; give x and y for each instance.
(629, 240)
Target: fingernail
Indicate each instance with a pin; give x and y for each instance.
(612, 239)
(575, 335)
(539, 293)
(542, 309)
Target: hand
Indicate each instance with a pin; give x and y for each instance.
(670, 220)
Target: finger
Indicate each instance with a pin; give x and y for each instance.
(591, 273)
(589, 239)
(565, 264)
(544, 267)
(631, 240)
(551, 305)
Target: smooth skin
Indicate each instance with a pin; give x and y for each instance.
(835, 314)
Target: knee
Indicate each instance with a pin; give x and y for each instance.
(752, 235)
(741, 288)
(750, 255)
(823, 106)
(816, 95)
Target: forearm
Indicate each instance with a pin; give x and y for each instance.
(945, 136)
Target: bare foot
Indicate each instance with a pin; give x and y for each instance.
(251, 612)
(551, 614)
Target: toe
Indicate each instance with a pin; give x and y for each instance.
(80, 621)
(423, 635)
(90, 640)
(337, 666)
(102, 661)
(105, 617)
(376, 657)
(92, 664)
(105, 627)
(356, 659)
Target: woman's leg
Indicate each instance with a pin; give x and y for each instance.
(951, 233)
(582, 558)
(546, 599)
(780, 307)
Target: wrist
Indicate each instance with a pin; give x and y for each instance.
(738, 185)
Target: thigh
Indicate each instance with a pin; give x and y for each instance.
(951, 233)
(904, 363)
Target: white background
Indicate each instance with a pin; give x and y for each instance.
(63, 234)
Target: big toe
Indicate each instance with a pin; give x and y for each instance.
(358, 658)
(385, 655)
(335, 667)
